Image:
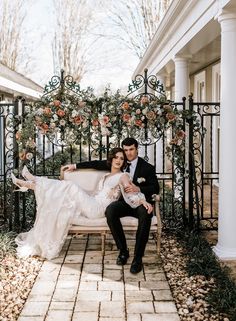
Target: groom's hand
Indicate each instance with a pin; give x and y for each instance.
(68, 168)
(132, 188)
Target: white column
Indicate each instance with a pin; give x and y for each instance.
(182, 90)
(226, 246)
(181, 78)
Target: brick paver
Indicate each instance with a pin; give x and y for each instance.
(81, 284)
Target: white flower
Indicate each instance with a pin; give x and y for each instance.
(27, 109)
(29, 156)
(141, 179)
(105, 131)
(62, 122)
(55, 117)
(85, 124)
(74, 113)
(39, 111)
(144, 111)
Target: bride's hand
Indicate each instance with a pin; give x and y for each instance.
(148, 206)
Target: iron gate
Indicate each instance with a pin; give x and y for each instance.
(183, 196)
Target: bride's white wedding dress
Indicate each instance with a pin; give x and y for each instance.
(58, 203)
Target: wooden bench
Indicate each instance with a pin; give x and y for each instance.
(88, 179)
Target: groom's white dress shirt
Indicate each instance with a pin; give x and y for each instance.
(132, 168)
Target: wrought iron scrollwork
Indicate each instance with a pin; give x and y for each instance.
(146, 83)
(62, 83)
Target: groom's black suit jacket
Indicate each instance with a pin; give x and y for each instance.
(144, 175)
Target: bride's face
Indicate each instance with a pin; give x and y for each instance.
(118, 160)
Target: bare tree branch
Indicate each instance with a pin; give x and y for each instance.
(15, 45)
(135, 22)
(72, 39)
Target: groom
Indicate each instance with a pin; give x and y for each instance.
(144, 180)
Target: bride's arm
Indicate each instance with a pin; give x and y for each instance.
(133, 199)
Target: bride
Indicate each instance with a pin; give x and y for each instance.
(58, 202)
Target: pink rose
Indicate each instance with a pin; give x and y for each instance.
(105, 119)
(77, 120)
(171, 117)
(138, 122)
(95, 122)
(126, 118)
(47, 111)
(60, 113)
(180, 134)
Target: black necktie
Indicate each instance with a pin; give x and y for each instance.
(127, 170)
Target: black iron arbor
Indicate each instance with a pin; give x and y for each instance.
(69, 125)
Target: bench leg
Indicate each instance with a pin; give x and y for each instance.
(158, 242)
(103, 236)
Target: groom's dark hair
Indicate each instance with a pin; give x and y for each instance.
(129, 141)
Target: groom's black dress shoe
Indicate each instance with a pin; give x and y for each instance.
(122, 257)
(136, 265)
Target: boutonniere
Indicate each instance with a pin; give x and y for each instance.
(141, 180)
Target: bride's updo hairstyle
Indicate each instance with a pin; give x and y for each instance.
(112, 154)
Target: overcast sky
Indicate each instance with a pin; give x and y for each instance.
(114, 63)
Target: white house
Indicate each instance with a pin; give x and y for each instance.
(194, 50)
(13, 84)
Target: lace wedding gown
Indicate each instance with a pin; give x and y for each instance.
(58, 202)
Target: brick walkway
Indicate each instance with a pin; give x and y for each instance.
(83, 285)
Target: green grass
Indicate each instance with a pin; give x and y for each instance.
(7, 243)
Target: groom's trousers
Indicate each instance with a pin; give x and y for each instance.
(119, 209)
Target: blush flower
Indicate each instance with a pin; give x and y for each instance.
(60, 113)
(18, 135)
(138, 122)
(95, 122)
(77, 120)
(171, 117)
(150, 115)
(22, 155)
(47, 111)
(125, 105)
(57, 103)
(105, 119)
(167, 108)
(126, 118)
(180, 134)
(81, 104)
(44, 127)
